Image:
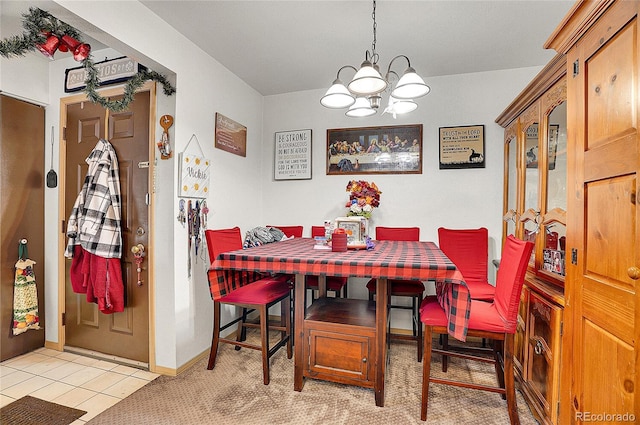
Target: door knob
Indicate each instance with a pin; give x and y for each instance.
(633, 272)
(138, 250)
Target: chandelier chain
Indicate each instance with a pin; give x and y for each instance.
(374, 55)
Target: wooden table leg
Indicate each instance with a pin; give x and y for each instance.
(381, 339)
(298, 361)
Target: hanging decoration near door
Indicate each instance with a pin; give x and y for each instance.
(25, 293)
(46, 33)
(194, 172)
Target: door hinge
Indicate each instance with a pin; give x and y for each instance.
(64, 133)
(574, 256)
(62, 226)
(558, 409)
(64, 319)
(561, 328)
(576, 68)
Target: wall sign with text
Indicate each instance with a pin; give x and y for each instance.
(110, 71)
(293, 155)
(231, 136)
(462, 147)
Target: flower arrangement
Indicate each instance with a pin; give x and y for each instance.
(363, 198)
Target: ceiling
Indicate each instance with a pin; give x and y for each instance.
(295, 45)
(287, 46)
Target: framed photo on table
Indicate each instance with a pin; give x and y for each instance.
(462, 147)
(292, 155)
(375, 150)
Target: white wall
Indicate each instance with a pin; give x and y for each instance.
(456, 198)
(24, 77)
(459, 198)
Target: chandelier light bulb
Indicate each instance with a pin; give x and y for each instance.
(410, 86)
(361, 108)
(337, 96)
(367, 81)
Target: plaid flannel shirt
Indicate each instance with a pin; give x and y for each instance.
(94, 222)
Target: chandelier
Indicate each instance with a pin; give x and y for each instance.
(363, 94)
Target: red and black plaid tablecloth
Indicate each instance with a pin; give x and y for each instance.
(389, 259)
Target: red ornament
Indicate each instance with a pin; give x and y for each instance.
(69, 43)
(81, 52)
(49, 47)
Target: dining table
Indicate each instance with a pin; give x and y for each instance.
(384, 261)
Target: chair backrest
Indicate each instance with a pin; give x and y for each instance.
(469, 251)
(397, 233)
(225, 240)
(222, 240)
(510, 278)
(289, 231)
(317, 231)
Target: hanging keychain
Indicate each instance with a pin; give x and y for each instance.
(205, 210)
(190, 233)
(139, 254)
(196, 228)
(166, 121)
(182, 216)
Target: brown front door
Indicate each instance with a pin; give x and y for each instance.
(123, 334)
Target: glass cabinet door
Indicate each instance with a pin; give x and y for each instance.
(554, 220)
(531, 213)
(511, 183)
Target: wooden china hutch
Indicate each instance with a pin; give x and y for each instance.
(535, 206)
(572, 159)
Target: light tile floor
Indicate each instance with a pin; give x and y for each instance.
(69, 379)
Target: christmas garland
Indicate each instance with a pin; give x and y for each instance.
(39, 26)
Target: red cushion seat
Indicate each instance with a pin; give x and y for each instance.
(401, 288)
(483, 315)
(334, 283)
(263, 291)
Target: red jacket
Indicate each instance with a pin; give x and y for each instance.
(98, 277)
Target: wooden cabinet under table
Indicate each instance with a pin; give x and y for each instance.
(339, 341)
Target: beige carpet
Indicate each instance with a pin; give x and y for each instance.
(233, 393)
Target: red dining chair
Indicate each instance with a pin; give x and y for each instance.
(335, 284)
(258, 294)
(290, 231)
(469, 251)
(413, 289)
(496, 320)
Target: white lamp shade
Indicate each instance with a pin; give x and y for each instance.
(401, 106)
(361, 108)
(410, 86)
(367, 81)
(337, 96)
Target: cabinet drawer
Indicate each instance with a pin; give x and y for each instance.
(339, 354)
(543, 351)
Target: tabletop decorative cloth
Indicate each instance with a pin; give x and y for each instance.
(390, 259)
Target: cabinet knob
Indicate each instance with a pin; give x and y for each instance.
(364, 360)
(633, 272)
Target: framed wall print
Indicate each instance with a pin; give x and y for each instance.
(462, 147)
(230, 135)
(292, 155)
(375, 150)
